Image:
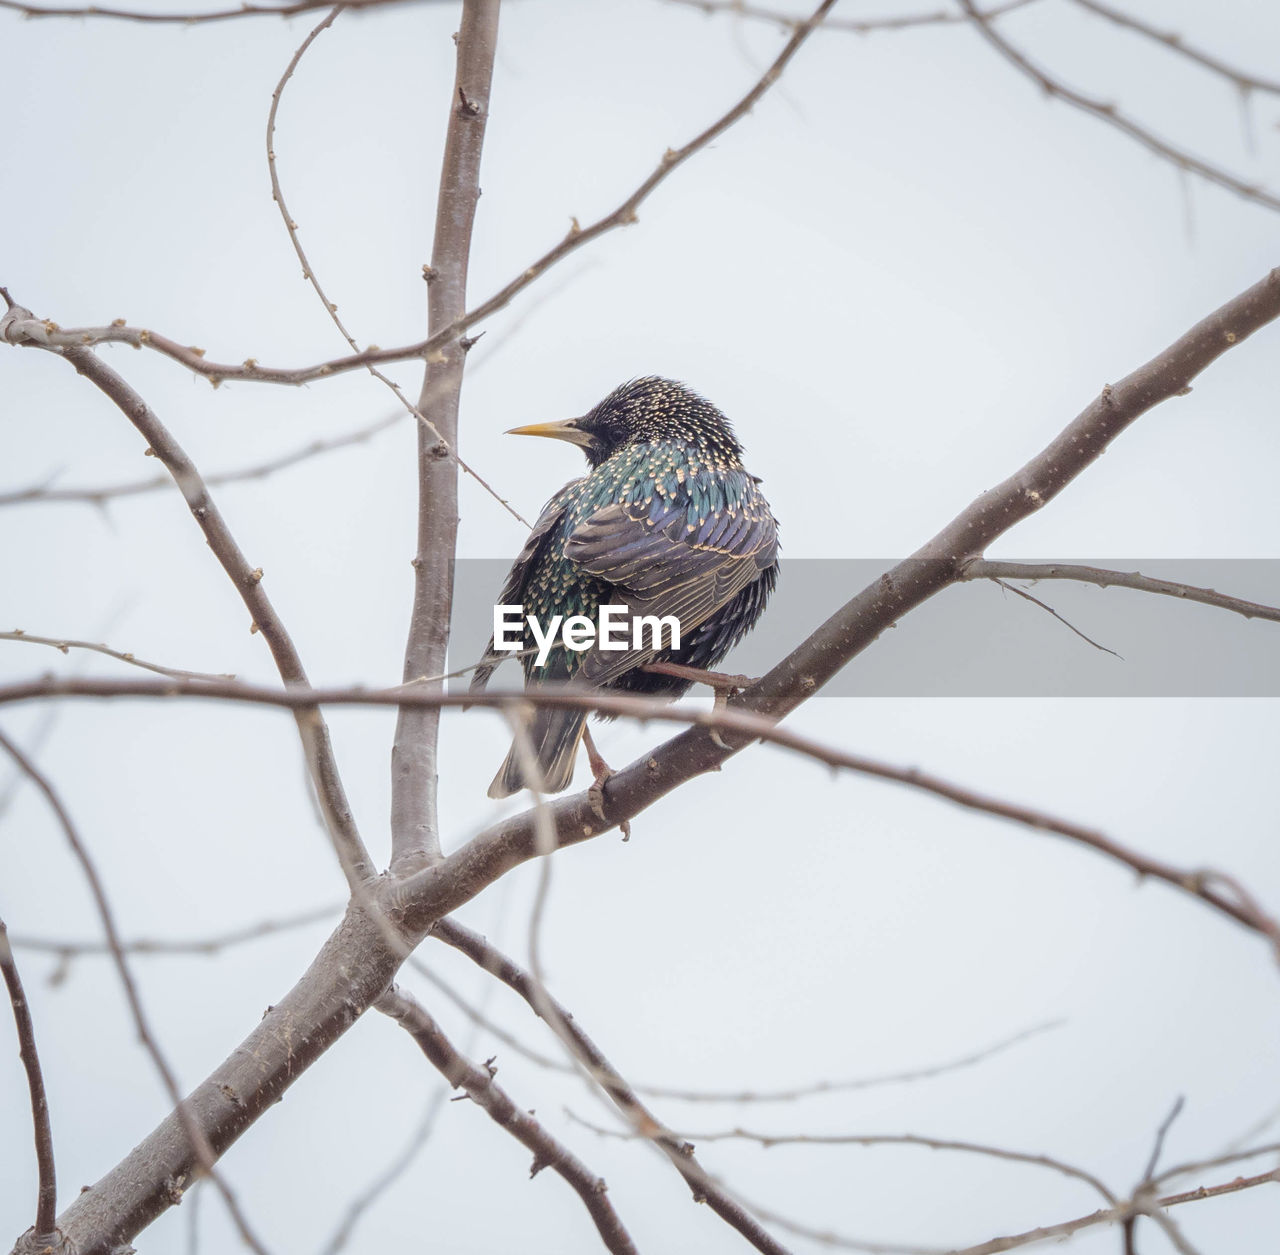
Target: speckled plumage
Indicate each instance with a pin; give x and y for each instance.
(667, 521)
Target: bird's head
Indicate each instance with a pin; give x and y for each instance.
(640, 412)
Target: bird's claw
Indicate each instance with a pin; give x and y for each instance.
(595, 799)
(595, 794)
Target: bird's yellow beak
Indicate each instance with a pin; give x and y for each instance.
(565, 429)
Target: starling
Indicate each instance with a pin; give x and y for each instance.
(666, 522)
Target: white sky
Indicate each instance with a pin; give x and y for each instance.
(900, 276)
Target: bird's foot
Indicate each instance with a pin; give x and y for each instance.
(724, 684)
(595, 794)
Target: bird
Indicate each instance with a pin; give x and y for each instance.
(667, 521)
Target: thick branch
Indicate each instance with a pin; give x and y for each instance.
(47, 1189)
(481, 1088)
(415, 835)
(353, 967)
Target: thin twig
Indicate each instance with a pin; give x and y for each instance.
(986, 569)
(309, 273)
(41, 494)
(1216, 1191)
(203, 1151)
(46, 1171)
(63, 645)
(1243, 81)
(794, 1093)
(187, 19)
(1118, 1214)
(859, 26)
(770, 1140)
(1217, 1161)
(481, 1088)
(1106, 112)
(155, 946)
(1161, 1133)
(1115, 1215)
(1048, 609)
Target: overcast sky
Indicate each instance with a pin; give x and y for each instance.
(900, 276)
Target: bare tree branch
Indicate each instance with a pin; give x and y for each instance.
(63, 646)
(1216, 1191)
(47, 1188)
(427, 400)
(769, 1140)
(859, 26)
(796, 1092)
(68, 950)
(351, 969)
(352, 854)
(986, 569)
(1112, 1215)
(205, 946)
(357, 963)
(46, 494)
(481, 1088)
(1068, 1228)
(415, 831)
(1217, 1161)
(623, 1095)
(198, 1144)
(1049, 610)
(1145, 1190)
(1106, 112)
(188, 19)
(497, 849)
(20, 326)
(1175, 43)
(1161, 1133)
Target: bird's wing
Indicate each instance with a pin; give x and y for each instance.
(663, 560)
(513, 589)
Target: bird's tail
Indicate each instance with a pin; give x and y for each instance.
(554, 737)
